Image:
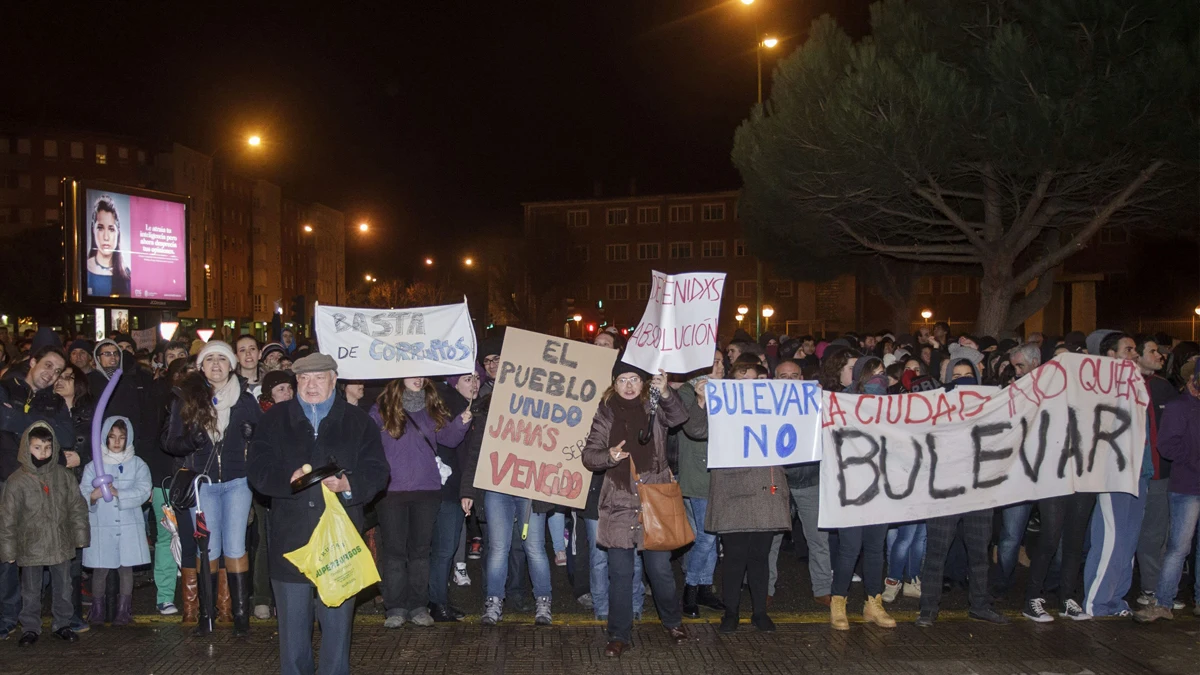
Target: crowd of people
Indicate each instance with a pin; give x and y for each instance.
(252, 418)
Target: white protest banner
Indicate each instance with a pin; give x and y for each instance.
(389, 343)
(546, 394)
(1075, 424)
(145, 338)
(678, 331)
(762, 422)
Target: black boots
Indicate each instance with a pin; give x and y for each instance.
(690, 608)
(239, 597)
(706, 598)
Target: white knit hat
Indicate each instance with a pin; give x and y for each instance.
(218, 347)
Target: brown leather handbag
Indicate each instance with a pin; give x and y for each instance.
(665, 525)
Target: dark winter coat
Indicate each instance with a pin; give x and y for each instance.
(198, 450)
(284, 442)
(752, 499)
(43, 518)
(619, 526)
(134, 399)
(693, 446)
(471, 445)
(20, 407)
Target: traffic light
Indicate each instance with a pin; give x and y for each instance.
(591, 327)
(298, 310)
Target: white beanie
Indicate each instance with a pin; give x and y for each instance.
(219, 347)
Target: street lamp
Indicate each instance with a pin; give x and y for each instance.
(363, 227)
(370, 279)
(759, 44)
(769, 43)
(1193, 322)
(739, 318)
(468, 261)
(308, 229)
(254, 141)
(767, 312)
(743, 310)
(927, 315)
(429, 262)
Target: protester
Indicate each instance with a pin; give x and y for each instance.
(248, 368)
(746, 506)
(613, 447)
(413, 420)
(701, 560)
(448, 526)
(1014, 518)
(43, 524)
(1179, 441)
(118, 531)
(314, 428)
(211, 426)
(977, 534)
(271, 356)
(1152, 542)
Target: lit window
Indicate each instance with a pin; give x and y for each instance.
(680, 213)
(616, 252)
(744, 289)
(681, 250)
(618, 216)
(714, 248)
(649, 252)
(577, 218)
(50, 148)
(647, 215)
(712, 212)
(618, 291)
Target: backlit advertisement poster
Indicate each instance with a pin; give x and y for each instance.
(131, 246)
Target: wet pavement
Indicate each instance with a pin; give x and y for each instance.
(804, 643)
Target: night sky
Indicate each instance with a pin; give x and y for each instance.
(431, 120)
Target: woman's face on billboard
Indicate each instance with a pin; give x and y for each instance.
(106, 233)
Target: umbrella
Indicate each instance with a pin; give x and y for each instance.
(170, 524)
(204, 579)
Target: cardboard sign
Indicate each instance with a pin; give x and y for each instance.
(546, 394)
(678, 331)
(389, 343)
(762, 422)
(1075, 424)
(145, 338)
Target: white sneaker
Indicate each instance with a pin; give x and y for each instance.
(460, 575)
(1148, 599)
(912, 589)
(891, 589)
(1072, 610)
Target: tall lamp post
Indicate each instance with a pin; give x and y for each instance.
(759, 43)
(254, 141)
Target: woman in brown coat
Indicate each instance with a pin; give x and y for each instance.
(613, 447)
(747, 507)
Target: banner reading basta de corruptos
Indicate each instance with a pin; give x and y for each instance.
(389, 343)
(1075, 424)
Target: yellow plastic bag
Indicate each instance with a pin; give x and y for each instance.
(335, 559)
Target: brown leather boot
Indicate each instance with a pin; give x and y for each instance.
(224, 605)
(191, 596)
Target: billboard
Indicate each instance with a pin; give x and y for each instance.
(125, 246)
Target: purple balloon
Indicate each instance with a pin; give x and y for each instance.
(103, 479)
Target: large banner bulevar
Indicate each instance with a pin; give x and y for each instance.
(546, 394)
(1075, 424)
(389, 343)
(678, 330)
(762, 422)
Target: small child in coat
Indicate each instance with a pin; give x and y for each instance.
(118, 528)
(43, 519)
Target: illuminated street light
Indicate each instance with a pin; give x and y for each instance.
(429, 262)
(308, 228)
(926, 314)
(468, 262)
(768, 311)
(747, 2)
(742, 310)
(370, 278)
(254, 140)
(363, 227)
(770, 42)
(739, 318)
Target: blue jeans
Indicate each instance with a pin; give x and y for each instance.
(556, 522)
(502, 509)
(906, 551)
(702, 558)
(227, 512)
(662, 580)
(598, 558)
(446, 531)
(1185, 533)
(297, 604)
(10, 590)
(1013, 522)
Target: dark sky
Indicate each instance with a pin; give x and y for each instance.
(432, 120)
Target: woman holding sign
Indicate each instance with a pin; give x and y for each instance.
(613, 447)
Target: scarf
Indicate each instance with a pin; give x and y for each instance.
(629, 418)
(223, 400)
(412, 401)
(117, 458)
(315, 412)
